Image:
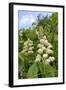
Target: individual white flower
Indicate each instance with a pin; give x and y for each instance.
(39, 45)
(40, 51)
(49, 51)
(43, 48)
(28, 48)
(51, 59)
(30, 41)
(38, 58)
(30, 52)
(45, 56)
(31, 48)
(46, 43)
(30, 44)
(42, 41)
(50, 46)
(47, 61)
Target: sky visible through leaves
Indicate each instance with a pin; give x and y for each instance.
(26, 18)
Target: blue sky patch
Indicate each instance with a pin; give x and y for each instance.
(26, 18)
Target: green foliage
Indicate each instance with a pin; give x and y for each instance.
(49, 71)
(27, 68)
(46, 70)
(21, 59)
(33, 71)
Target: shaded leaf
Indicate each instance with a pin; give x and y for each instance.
(21, 59)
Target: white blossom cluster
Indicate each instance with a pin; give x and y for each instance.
(44, 52)
(28, 47)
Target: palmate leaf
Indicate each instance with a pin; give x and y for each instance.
(33, 71)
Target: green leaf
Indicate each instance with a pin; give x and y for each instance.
(41, 68)
(33, 71)
(49, 71)
(21, 59)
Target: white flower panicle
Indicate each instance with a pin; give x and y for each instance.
(44, 52)
(28, 47)
(44, 49)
